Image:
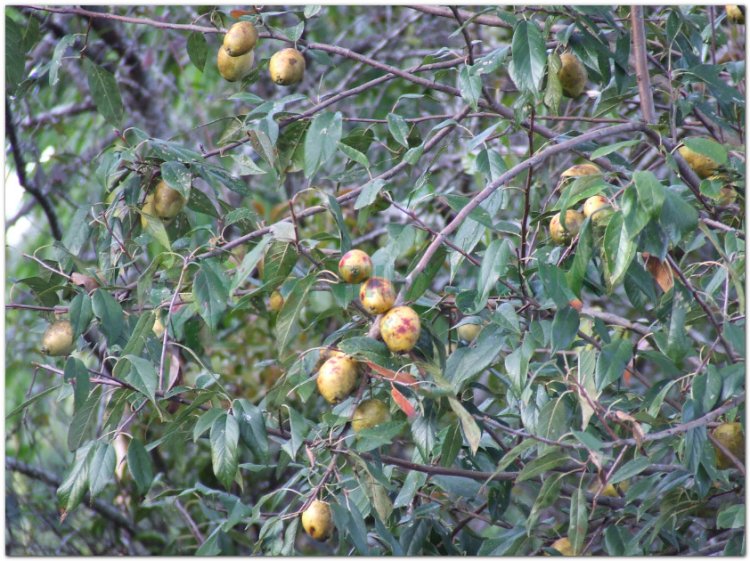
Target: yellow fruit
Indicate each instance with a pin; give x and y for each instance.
(233, 68)
(731, 436)
(158, 328)
(240, 38)
(287, 67)
(148, 208)
(337, 378)
(168, 202)
(735, 14)
(58, 339)
(727, 196)
(580, 170)
(702, 165)
(564, 546)
(370, 413)
(400, 329)
(355, 266)
(610, 490)
(563, 235)
(469, 331)
(276, 301)
(377, 295)
(598, 208)
(318, 521)
(572, 75)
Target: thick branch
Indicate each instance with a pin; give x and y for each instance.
(641, 64)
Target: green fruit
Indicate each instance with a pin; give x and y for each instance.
(731, 436)
(234, 68)
(168, 202)
(287, 67)
(370, 413)
(572, 75)
(240, 39)
(469, 331)
(318, 521)
(58, 339)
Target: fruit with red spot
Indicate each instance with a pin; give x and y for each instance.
(355, 266)
(400, 329)
(318, 521)
(377, 295)
(58, 339)
(370, 413)
(337, 378)
(562, 234)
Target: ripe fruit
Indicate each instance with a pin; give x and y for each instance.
(731, 436)
(370, 413)
(158, 328)
(735, 14)
(561, 235)
(58, 339)
(233, 68)
(580, 170)
(377, 295)
(598, 208)
(564, 546)
(317, 521)
(469, 331)
(355, 266)
(167, 202)
(276, 301)
(240, 38)
(702, 165)
(287, 67)
(337, 378)
(572, 75)
(400, 329)
(610, 490)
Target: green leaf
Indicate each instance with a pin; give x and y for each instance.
(205, 422)
(369, 193)
(541, 465)
(321, 141)
(650, 192)
(610, 148)
(354, 155)
(494, 263)
(564, 328)
(635, 218)
(141, 333)
(178, 177)
(286, 323)
(612, 361)
(732, 516)
(579, 520)
(84, 420)
(15, 56)
(139, 465)
(398, 128)
(225, 434)
(101, 467)
(33, 399)
(278, 263)
(584, 251)
(630, 469)
(553, 91)
(80, 313)
(210, 287)
(548, 494)
(471, 431)
(75, 483)
(57, 56)
(619, 249)
(249, 262)
(467, 362)
(252, 427)
(197, 50)
(678, 218)
(470, 86)
(142, 376)
(110, 315)
(709, 148)
(529, 57)
(104, 91)
(423, 280)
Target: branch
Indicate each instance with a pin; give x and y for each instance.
(641, 64)
(21, 173)
(103, 508)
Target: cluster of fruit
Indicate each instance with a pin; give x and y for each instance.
(236, 56)
(596, 207)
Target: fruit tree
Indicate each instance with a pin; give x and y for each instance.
(375, 280)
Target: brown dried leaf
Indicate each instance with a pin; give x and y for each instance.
(86, 282)
(403, 403)
(660, 270)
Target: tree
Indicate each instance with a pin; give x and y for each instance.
(598, 351)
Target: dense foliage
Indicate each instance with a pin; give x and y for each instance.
(598, 357)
